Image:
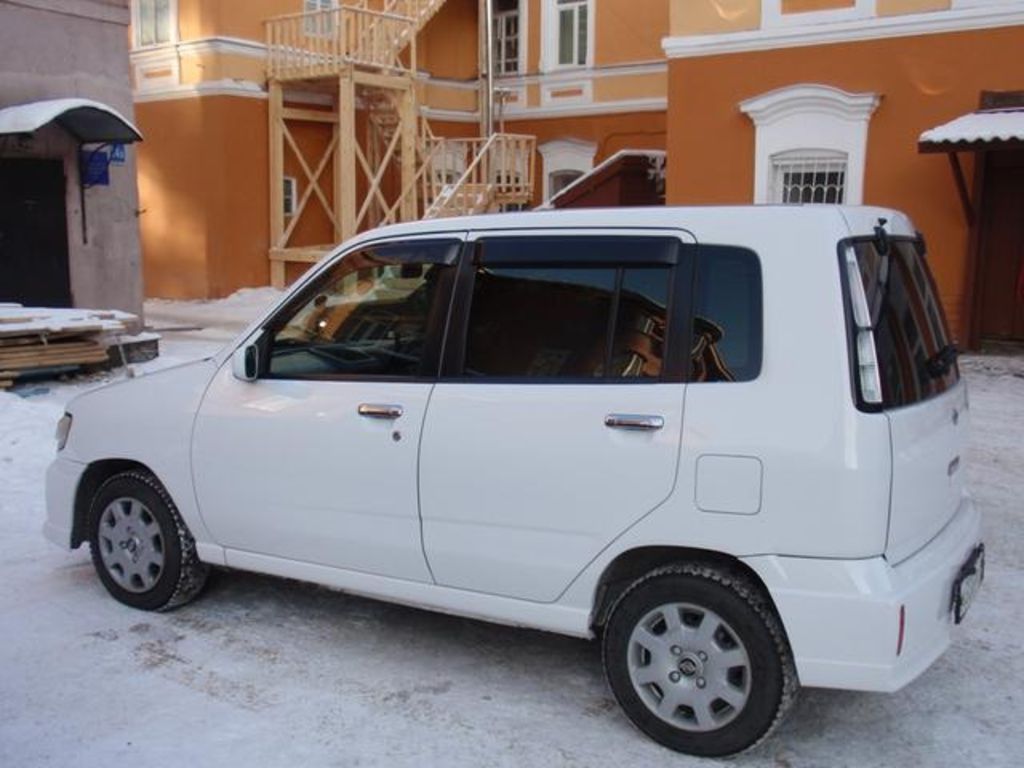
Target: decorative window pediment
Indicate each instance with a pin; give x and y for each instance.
(817, 134)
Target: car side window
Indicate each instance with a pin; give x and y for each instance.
(372, 314)
(727, 316)
(569, 308)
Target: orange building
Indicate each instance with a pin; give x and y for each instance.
(778, 101)
(256, 160)
(585, 78)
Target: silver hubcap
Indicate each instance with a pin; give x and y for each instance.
(689, 667)
(131, 544)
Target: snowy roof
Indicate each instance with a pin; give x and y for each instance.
(88, 121)
(988, 126)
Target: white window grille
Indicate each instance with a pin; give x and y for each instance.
(322, 24)
(506, 37)
(153, 22)
(290, 195)
(809, 177)
(573, 32)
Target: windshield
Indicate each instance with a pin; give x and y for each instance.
(916, 358)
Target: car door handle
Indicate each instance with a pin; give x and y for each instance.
(374, 411)
(633, 421)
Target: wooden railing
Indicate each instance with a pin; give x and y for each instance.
(322, 43)
(467, 176)
(366, 33)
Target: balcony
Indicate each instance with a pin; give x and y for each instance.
(319, 44)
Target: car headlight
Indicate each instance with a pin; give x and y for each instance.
(63, 430)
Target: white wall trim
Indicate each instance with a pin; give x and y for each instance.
(961, 18)
(565, 74)
(810, 117)
(565, 155)
(450, 115)
(243, 88)
(585, 87)
(588, 110)
(237, 46)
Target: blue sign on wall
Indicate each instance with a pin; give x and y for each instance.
(94, 165)
(117, 154)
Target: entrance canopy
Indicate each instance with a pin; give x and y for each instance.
(90, 122)
(983, 130)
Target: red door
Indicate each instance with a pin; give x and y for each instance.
(1002, 249)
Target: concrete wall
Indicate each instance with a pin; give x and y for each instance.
(79, 48)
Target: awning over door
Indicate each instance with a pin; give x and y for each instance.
(90, 122)
(983, 130)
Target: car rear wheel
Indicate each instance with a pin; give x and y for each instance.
(698, 660)
(141, 548)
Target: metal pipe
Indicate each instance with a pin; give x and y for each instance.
(487, 14)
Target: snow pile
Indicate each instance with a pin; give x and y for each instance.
(232, 313)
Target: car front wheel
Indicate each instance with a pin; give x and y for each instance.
(141, 548)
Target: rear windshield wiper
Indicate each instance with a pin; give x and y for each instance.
(939, 364)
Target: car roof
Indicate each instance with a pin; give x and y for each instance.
(854, 218)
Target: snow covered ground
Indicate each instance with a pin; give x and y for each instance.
(266, 672)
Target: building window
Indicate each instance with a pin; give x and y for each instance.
(573, 32)
(559, 180)
(506, 37)
(565, 160)
(810, 144)
(290, 195)
(322, 24)
(808, 177)
(154, 22)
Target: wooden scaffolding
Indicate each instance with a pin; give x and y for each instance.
(359, 60)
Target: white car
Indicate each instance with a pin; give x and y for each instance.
(728, 442)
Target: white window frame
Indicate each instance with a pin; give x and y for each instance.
(549, 35)
(565, 155)
(811, 118)
(172, 23)
(290, 197)
(773, 17)
(521, 64)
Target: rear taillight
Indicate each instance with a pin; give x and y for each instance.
(903, 629)
(868, 373)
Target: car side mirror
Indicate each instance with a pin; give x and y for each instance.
(245, 362)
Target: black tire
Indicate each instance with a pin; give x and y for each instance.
(158, 529)
(746, 617)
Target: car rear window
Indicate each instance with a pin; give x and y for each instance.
(915, 355)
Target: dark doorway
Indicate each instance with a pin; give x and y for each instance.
(34, 233)
(1001, 288)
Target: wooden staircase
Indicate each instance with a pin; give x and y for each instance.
(363, 54)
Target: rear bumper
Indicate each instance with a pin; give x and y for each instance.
(62, 478)
(843, 616)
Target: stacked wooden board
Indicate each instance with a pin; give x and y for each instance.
(37, 341)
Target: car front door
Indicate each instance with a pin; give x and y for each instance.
(556, 424)
(315, 461)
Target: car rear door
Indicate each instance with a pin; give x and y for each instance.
(557, 421)
(920, 390)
